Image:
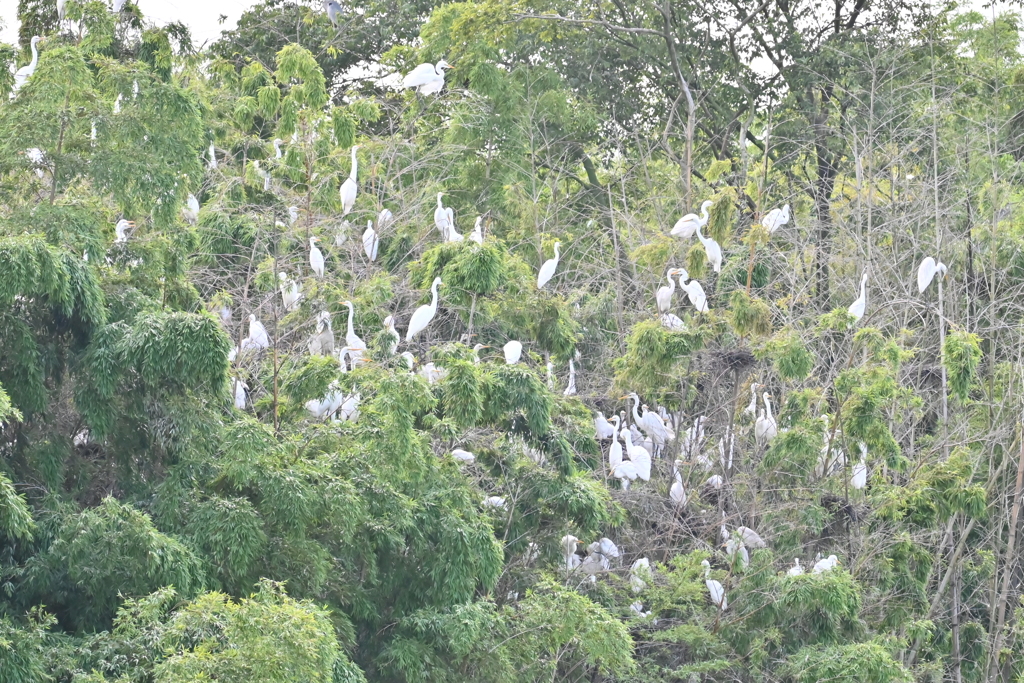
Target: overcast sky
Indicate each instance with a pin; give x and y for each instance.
(202, 15)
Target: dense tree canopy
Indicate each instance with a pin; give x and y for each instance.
(221, 458)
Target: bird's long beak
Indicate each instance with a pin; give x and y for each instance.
(485, 347)
(449, 66)
(622, 397)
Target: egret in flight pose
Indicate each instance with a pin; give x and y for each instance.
(350, 187)
(547, 271)
(424, 314)
(927, 271)
(428, 79)
(688, 224)
(22, 75)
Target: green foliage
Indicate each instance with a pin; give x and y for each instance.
(15, 518)
(870, 662)
(789, 356)
(961, 355)
(749, 315)
(652, 357)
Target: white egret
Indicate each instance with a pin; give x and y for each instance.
(715, 588)
(117, 103)
(394, 338)
(408, 358)
(322, 343)
(608, 548)
(341, 234)
(463, 455)
(262, 173)
(444, 218)
(650, 422)
(638, 455)
(477, 348)
(453, 234)
(356, 346)
(118, 5)
(22, 75)
(860, 470)
(547, 271)
(796, 569)
(602, 427)
(695, 293)
(333, 10)
(36, 156)
(688, 224)
(927, 271)
(191, 209)
(61, 9)
(293, 214)
(290, 293)
(751, 538)
(640, 574)
(826, 565)
(258, 337)
(615, 451)
(494, 502)
(677, 494)
(478, 233)
(664, 295)
(349, 409)
(316, 257)
(428, 79)
(385, 218)
(371, 242)
(513, 352)
(211, 164)
(751, 409)
(856, 309)
(672, 322)
(625, 472)
(277, 148)
(432, 373)
(765, 429)
(121, 229)
(570, 389)
(424, 314)
(713, 249)
(350, 187)
(240, 389)
(775, 219)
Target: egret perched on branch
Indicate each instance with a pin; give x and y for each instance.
(625, 472)
(453, 234)
(290, 293)
(775, 219)
(240, 389)
(463, 455)
(494, 502)
(121, 229)
(350, 187)
(650, 422)
(316, 257)
(677, 494)
(688, 224)
(570, 389)
(293, 214)
(547, 271)
(389, 325)
(856, 309)
(262, 173)
(513, 351)
(385, 218)
(371, 242)
(477, 348)
(796, 569)
(322, 343)
(712, 249)
(444, 218)
(603, 429)
(664, 295)
(333, 10)
(211, 164)
(751, 410)
(927, 271)
(826, 565)
(424, 314)
(639, 574)
(428, 79)
(22, 75)
(765, 428)
(860, 470)
(277, 148)
(715, 588)
(478, 234)
(258, 337)
(695, 293)
(356, 346)
(751, 538)
(191, 209)
(615, 451)
(61, 9)
(638, 455)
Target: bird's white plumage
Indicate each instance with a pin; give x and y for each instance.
(926, 272)
(547, 271)
(22, 75)
(444, 218)
(426, 78)
(715, 588)
(695, 293)
(765, 428)
(513, 351)
(858, 307)
(316, 257)
(424, 314)
(350, 187)
(688, 224)
(664, 295)
(638, 455)
(712, 249)
(478, 234)
(859, 478)
(776, 218)
(796, 569)
(603, 429)
(371, 242)
(825, 565)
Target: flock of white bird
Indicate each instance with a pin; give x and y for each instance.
(649, 433)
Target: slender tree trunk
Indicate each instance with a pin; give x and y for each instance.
(1008, 567)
